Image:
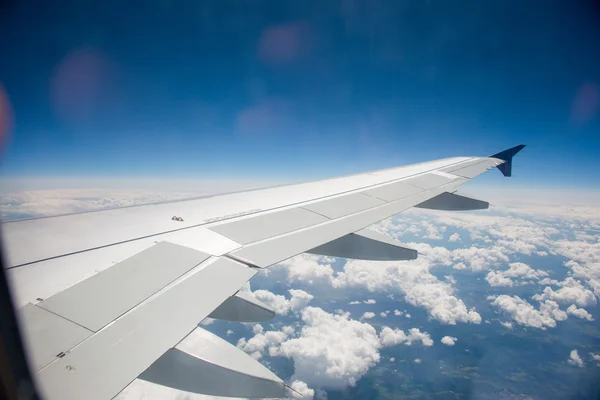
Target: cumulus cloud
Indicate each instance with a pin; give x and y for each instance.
(579, 312)
(524, 313)
(522, 270)
(419, 286)
(507, 324)
(455, 237)
(368, 315)
(412, 279)
(572, 291)
(449, 340)
(301, 391)
(384, 314)
(515, 275)
(588, 272)
(575, 359)
(495, 279)
(308, 268)
(398, 313)
(354, 302)
(596, 357)
(370, 301)
(459, 266)
(548, 281)
(417, 361)
(332, 351)
(299, 299)
(430, 230)
(392, 337)
(262, 341)
(258, 328)
(480, 258)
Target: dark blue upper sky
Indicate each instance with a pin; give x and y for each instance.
(299, 89)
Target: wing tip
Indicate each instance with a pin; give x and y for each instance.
(507, 156)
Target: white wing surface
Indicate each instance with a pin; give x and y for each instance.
(106, 297)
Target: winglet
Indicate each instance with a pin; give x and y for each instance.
(507, 155)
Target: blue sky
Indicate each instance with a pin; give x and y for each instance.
(302, 90)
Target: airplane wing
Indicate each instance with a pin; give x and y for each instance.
(110, 296)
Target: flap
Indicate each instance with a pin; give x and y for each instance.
(243, 307)
(205, 364)
(453, 202)
(366, 245)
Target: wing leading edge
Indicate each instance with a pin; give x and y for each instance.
(125, 299)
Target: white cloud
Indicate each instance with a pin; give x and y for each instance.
(258, 328)
(229, 332)
(392, 359)
(299, 299)
(596, 357)
(459, 266)
(579, 312)
(307, 268)
(432, 231)
(262, 341)
(525, 314)
(509, 234)
(370, 301)
(507, 324)
(354, 302)
(392, 337)
(368, 315)
(518, 271)
(572, 291)
(207, 321)
(455, 237)
(449, 340)
(480, 259)
(498, 279)
(407, 315)
(575, 360)
(522, 270)
(384, 314)
(398, 313)
(412, 279)
(301, 391)
(419, 286)
(548, 281)
(450, 279)
(417, 361)
(332, 351)
(589, 273)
